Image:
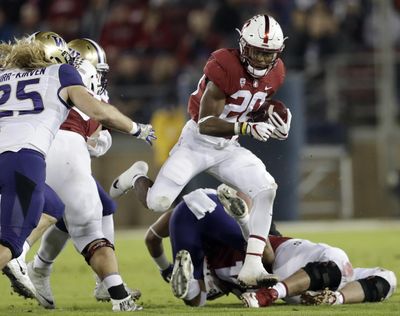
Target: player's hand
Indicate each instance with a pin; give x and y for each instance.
(281, 131)
(166, 274)
(260, 130)
(145, 132)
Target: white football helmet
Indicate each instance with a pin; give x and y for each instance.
(261, 40)
(88, 49)
(55, 47)
(89, 74)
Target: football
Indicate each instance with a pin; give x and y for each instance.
(267, 108)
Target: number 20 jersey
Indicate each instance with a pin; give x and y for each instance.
(243, 93)
(31, 109)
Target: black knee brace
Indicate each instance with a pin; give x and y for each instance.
(95, 245)
(323, 275)
(375, 288)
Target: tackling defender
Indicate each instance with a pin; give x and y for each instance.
(45, 93)
(320, 273)
(69, 173)
(235, 83)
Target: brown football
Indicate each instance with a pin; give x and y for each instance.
(267, 108)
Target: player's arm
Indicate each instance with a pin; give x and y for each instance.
(102, 112)
(211, 106)
(153, 240)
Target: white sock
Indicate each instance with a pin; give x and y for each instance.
(194, 290)
(261, 213)
(25, 249)
(244, 226)
(162, 262)
(255, 246)
(281, 289)
(340, 298)
(112, 280)
(53, 242)
(107, 223)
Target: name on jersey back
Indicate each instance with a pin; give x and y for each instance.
(8, 75)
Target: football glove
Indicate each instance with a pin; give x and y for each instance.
(145, 132)
(258, 130)
(281, 131)
(102, 143)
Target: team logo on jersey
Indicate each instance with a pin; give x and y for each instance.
(255, 83)
(242, 82)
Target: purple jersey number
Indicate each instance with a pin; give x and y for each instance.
(21, 94)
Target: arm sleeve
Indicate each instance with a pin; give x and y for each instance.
(69, 76)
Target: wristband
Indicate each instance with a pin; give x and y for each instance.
(135, 129)
(236, 128)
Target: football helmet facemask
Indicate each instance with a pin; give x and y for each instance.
(261, 40)
(55, 47)
(88, 49)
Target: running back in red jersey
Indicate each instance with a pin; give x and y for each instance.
(267, 108)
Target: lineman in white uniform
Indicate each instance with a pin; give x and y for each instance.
(69, 173)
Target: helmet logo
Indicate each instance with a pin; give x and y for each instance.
(58, 40)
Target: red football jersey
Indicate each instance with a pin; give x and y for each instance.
(244, 93)
(80, 124)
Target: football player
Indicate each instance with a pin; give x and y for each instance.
(39, 88)
(235, 83)
(29, 118)
(69, 174)
(208, 249)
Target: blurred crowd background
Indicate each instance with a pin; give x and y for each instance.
(341, 160)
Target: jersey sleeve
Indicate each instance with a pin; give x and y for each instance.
(216, 73)
(69, 76)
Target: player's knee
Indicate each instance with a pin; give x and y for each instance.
(159, 203)
(323, 275)
(375, 288)
(94, 246)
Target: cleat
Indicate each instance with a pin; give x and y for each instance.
(325, 297)
(256, 277)
(261, 298)
(101, 293)
(235, 206)
(16, 271)
(181, 274)
(125, 181)
(127, 304)
(41, 280)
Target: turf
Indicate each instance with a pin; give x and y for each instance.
(73, 282)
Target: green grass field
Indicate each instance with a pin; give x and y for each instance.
(73, 281)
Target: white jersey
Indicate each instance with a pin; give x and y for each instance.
(31, 109)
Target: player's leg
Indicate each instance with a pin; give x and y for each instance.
(16, 269)
(39, 270)
(188, 158)
(296, 261)
(83, 213)
(250, 176)
(369, 285)
(107, 223)
(22, 188)
(187, 275)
